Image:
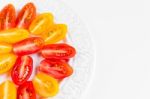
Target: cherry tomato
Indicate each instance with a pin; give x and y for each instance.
(5, 48)
(41, 23)
(22, 70)
(26, 91)
(56, 69)
(28, 46)
(45, 85)
(7, 61)
(55, 33)
(58, 51)
(7, 17)
(8, 90)
(13, 35)
(26, 15)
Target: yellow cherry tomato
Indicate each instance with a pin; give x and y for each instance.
(7, 61)
(8, 90)
(13, 35)
(55, 33)
(45, 85)
(5, 48)
(41, 23)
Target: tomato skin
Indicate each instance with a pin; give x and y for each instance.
(26, 91)
(8, 90)
(45, 85)
(7, 61)
(28, 46)
(13, 35)
(56, 69)
(41, 23)
(26, 16)
(58, 51)
(5, 48)
(55, 33)
(7, 17)
(22, 70)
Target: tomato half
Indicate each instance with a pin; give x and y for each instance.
(8, 90)
(7, 17)
(55, 33)
(58, 51)
(13, 35)
(22, 70)
(7, 61)
(5, 48)
(41, 23)
(45, 85)
(28, 46)
(26, 91)
(56, 69)
(26, 16)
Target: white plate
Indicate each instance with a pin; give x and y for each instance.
(74, 86)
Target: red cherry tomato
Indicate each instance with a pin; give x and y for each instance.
(26, 15)
(7, 17)
(28, 46)
(58, 51)
(26, 91)
(56, 69)
(22, 70)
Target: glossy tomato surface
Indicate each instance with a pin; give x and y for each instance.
(57, 69)
(58, 51)
(5, 48)
(22, 70)
(13, 35)
(26, 91)
(8, 90)
(28, 46)
(7, 17)
(26, 16)
(45, 85)
(7, 61)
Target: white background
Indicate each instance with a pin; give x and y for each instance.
(121, 34)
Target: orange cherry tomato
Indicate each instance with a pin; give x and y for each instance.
(41, 23)
(26, 15)
(8, 90)
(7, 61)
(7, 17)
(55, 33)
(5, 48)
(13, 35)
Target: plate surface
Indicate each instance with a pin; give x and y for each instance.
(74, 86)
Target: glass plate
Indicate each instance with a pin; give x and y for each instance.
(78, 36)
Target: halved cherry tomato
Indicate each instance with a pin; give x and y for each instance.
(55, 33)
(26, 91)
(7, 61)
(5, 48)
(13, 35)
(7, 17)
(58, 51)
(26, 15)
(41, 23)
(28, 46)
(56, 69)
(8, 90)
(45, 85)
(22, 70)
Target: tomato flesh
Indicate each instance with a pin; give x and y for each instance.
(26, 16)
(56, 69)
(7, 17)
(22, 70)
(26, 91)
(28, 46)
(58, 51)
